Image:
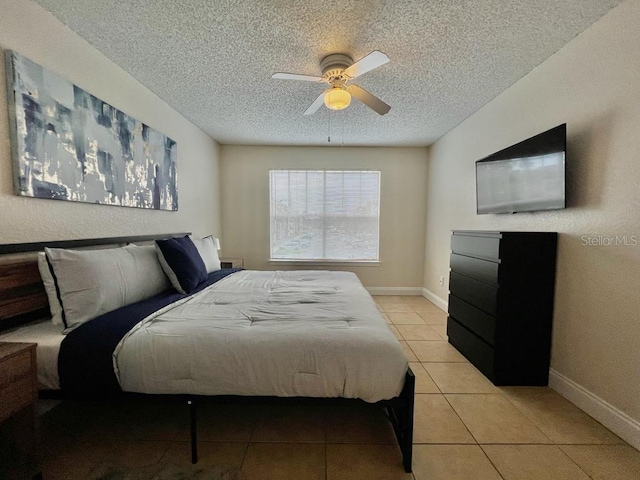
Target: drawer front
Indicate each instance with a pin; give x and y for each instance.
(486, 247)
(475, 320)
(472, 347)
(15, 368)
(15, 396)
(482, 270)
(480, 295)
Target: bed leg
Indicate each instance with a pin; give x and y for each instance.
(407, 450)
(402, 420)
(194, 438)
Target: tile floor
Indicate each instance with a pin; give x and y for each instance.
(465, 428)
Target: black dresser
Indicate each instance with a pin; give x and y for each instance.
(501, 290)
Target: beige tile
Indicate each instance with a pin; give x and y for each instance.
(210, 454)
(433, 317)
(533, 462)
(559, 419)
(435, 351)
(361, 424)
(103, 420)
(139, 454)
(606, 462)
(408, 352)
(365, 462)
(223, 423)
(395, 331)
(65, 467)
(419, 301)
(436, 422)
(389, 299)
(166, 470)
(293, 424)
(424, 383)
(442, 331)
(459, 378)
(397, 308)
(452, 462)
(159, 422)
(427, 307)
(404, 318)
(78, 458)
(284, 461)
(418, 332)
(491, 418)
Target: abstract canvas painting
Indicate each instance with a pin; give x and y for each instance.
(69, 145)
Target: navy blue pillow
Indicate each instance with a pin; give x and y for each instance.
(182, 263)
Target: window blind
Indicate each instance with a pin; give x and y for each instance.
(324, 215)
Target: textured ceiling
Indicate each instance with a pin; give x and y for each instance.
(212, 60)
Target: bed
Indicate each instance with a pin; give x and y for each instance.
(241, 334)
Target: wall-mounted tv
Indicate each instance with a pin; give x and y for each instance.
(524, 177)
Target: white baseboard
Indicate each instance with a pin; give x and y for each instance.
(394, 290)
(615, 420)
(436, 300)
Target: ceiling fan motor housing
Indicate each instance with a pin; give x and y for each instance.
(333, 67)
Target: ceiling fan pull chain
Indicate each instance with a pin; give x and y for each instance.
(329, 137)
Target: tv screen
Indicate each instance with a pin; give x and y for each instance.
(525, 177)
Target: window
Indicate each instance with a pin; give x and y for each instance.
(324, 215)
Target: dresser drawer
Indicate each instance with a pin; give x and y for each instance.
(478, 294)
(15, 396)
(15, 368)
(482, 270)
(473, 347)
(475, 320)
(486, 247)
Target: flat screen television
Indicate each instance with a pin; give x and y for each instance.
(524, 177)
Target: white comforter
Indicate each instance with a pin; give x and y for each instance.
(297, 333)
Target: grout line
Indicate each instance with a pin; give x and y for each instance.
(576, 463)
(460, 418)
(490, 461)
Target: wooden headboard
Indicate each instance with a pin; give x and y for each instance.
(22, 295)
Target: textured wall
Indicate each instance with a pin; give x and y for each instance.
(35, 33)
(245, 200)
(592, 84)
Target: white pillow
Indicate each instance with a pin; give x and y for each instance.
(50, 288)
(207, 250)
(94, 282)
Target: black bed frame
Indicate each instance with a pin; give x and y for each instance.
(399, 410)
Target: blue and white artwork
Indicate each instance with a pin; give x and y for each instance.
(69, 145)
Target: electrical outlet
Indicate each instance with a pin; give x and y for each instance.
(441, 281)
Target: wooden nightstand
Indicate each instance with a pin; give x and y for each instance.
(232, 263)
(18, 410)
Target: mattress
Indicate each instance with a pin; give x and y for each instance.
(48, 337)
(271, 333)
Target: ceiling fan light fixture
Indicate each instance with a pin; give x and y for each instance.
(337, 98)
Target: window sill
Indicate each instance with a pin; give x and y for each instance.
(332, 263)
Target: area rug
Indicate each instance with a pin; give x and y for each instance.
(166, 471)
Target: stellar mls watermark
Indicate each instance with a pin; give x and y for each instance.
(610, 240)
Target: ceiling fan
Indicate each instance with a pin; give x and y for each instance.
(337, 70)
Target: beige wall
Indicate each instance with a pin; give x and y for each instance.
(592, 84)
(245, 200)
(28, 29)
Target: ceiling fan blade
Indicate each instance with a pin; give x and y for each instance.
(317, 103)
(295, 76)
(366, 64)
(371, 101)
